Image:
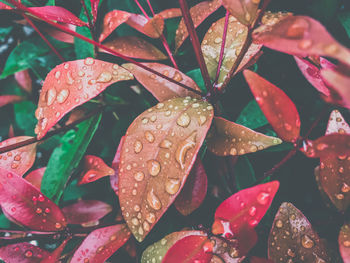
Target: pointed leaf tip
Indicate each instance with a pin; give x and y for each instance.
(244, 10)
(94, 168)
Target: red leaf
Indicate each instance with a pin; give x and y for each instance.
(244, 10)
(19, 160)
(114, 179)
(111, 21)
(246, 206)
(150, 27)
(170, 13)
(135, 47)
(56, 254)
(229, 138)
(198, 13)
(71, 84)
(5, 7)
(7, 99)
(94, 169)
(58, 14)
(60, 35)
(101, 243)
(27, 205)
(94, 9)
(160, 88)
(24, 80)
(344, 242)
(292, 238)
(260, 260)
(23, 253)
(35, 177)
(277, 107)
(157, 155)
(86, 211)
(301, 36)
(194, 190)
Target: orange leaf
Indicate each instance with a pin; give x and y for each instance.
(170, 13)
(244, 10)
(157, 155)
(111, 21)
(94, 169)
(150, 27)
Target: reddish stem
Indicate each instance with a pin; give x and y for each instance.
(90, 24)
(195, 43)
(141, 8)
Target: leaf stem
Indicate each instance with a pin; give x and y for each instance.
(141, 8)
(90, 23)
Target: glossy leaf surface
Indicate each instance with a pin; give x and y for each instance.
(292, 238)
(150, 27)
(344, 242)
(35, 177)
(8, 99)
(170, 13)
(277, 107)
(243, 10)
(56, 254)
(160, 88)
(27, 205)
(94, 169)
(22, 252)
(229, 138)
(114, 179)
(111, 21)
(71, 84)
(157, 155)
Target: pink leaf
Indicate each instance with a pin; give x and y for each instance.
(344, 242)
(35, 177)
(86, 211)
(94, 9)
(111, 21)
(277, 107)
(27, 205)
(23, 253)
(56, 254)
(114, 179)
(19, 160)
(59, 35)
(101, 243)
(24, 80)
(244, 10)
(5, 7)
(150, 27)
(170, 13)
(71, 84)
(337, 124)
(7, 99)
(94, 169)
(194, 190)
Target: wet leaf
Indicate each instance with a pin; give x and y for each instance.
(160, 88)
(344, 242)
(244, 10)
(194, 191)
(5, 7)
(22, 252)
(94, 9)
(277, 107)
(301, 36)
(229, 138)
(337, 124)
(150, 27)
(8, 99)
(199, 13)
(86, 211)
(60, 35)
(292, 238)
(101, 243)
(24, 80)
(170, 13)
(19, 160)
(156, 252)
(71, 84)
(56, 254)
(94, 168)
(111, 21)
(114, 179)
(35, 177)
(27, 205)
(157, 155)
(235, 38)
(248, 206)
(135, 47)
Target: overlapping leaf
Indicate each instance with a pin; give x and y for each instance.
(293, 239)
(135, 47)
(228, 138)
(24, 80)
(27, 205)
(277, 107)
(344, 242)
(114, 179)
(94, 9)
(71, 84)
(301, 36)
(211, 47)
(8, 99)
(198, 13)
(111, 21)
(194, 190)
(101, 243)
(170, 13)
(161, 88)
(35, 177)
(19, 160)
(157, 155)
(22, 252)
(94, 169)
(244, 10)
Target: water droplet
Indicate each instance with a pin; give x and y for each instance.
(140, 231)
(146, 226)
(172, 186)
(346, 243)
(38, 210)
(104, 77)
(89, 61)
(151, 218)
(279, 223)
(135, 221)
(345, 188)
(339, 196)
(138, 146)
(139, 176)
(252, 211)
(233, 252)
(263, 198)
(166, 144)
(305, 44)
(28, 254)
(184, 120)
(306, 241)
(290, 253)
(341, 169)
(149, 136)
(137, 208)
(41, 198)
(50, 96)
(153, 167)
(153, 200)
(99, 249)
(47, 210)
(160, 105)
(233, 151)
(58, 225)
(217, 40)
(183, 148)
(202, 120)
(208, 247)
(62, 95)
(57, 74)
(177, 76)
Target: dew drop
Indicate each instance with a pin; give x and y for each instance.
(172, 186)
(177, 76)
(279, 223)
(233, 151)
(104, 77)
(138, 146)
(153, 167)
(252, 211)
(184, 120)
(153, 200)
(151, 218)
(346, 243)
(263, 198)
(339, 196)
(166, 144)
(38, 210)
(217, 40)
(184, 147)
(345, 188)
(306, 241)
(139, 176)
(89, 61)
(50, 96)
(149, 136)
(62, 95)
(28, 254)
(287, 126)
(146, 226)
(135, 221)
(58, 225)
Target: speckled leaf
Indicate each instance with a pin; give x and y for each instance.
(111, 21)
(248, 206)
(293, 239)
(19, 160)
(22, 252)
(56, 254)
(199, 13)
(135, 47)
(7, 99)
(337, 124)
(170, 13)
(244, 10)
(277, 107)
(35, 177)
(194, 191)
(24, 80)
(159, 87)
(27, 205)
(114, 179)
(150, 27)
(229, 138)
(344, 242)
(85, 211)
(301, 36)
(156, 252)
(71, 84)
(157, 155)
(211, 47)
(101, 243)
(94, 169)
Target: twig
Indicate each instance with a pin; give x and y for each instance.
(90, 24)
(141, 8)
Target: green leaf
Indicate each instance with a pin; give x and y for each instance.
(4, 222)
(66, 158)
(4, 31)
(252, 116)
(344, 19)
(24, 116)
(244, 173)
(196, 75)
(51, 2)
